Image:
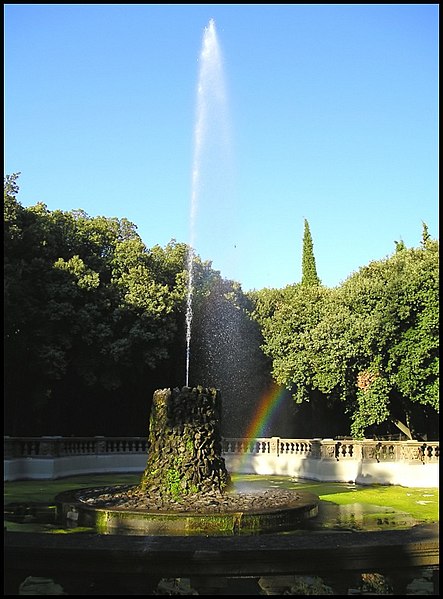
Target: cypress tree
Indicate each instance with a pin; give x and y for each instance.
(425, 237)
(309, 270)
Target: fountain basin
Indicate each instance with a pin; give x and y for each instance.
(231, 514)
(185, 488)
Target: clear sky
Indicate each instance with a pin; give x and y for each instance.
(332, 110)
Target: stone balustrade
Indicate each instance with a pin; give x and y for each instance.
(367, 461)
(52, 447)
(321, 449)
(29, 458)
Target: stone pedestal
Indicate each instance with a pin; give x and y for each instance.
(184, 444)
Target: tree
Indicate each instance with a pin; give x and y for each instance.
(95, 322)
(309, 270)
(90, 314)
(371, 343)
(397, 299)
(298, 325)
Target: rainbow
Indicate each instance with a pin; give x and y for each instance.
(267, 408)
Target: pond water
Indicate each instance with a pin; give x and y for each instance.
(29, 505)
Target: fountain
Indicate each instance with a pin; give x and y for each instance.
(185, 488)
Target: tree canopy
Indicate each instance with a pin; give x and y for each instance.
(371, 343)
(88, 311)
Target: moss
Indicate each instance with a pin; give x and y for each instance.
(173, 481)
(67, 531)
(422, 504)
(101, 520)
(189, 444)
(44, 491)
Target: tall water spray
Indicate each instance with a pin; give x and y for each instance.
(210, 111)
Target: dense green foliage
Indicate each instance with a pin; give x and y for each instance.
(95, 322)
(372, 342)
(90, 315)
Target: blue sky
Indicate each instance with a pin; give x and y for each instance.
(332, 114)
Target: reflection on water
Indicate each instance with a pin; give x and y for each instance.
(41, 517)
(359, 516)
(331, 516)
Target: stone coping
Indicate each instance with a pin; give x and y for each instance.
(249, 555)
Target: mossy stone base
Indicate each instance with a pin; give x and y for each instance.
(184, 444)
(254, 521)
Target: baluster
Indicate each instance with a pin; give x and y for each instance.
(23, 449)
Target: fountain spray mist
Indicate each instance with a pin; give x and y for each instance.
(210, 110)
